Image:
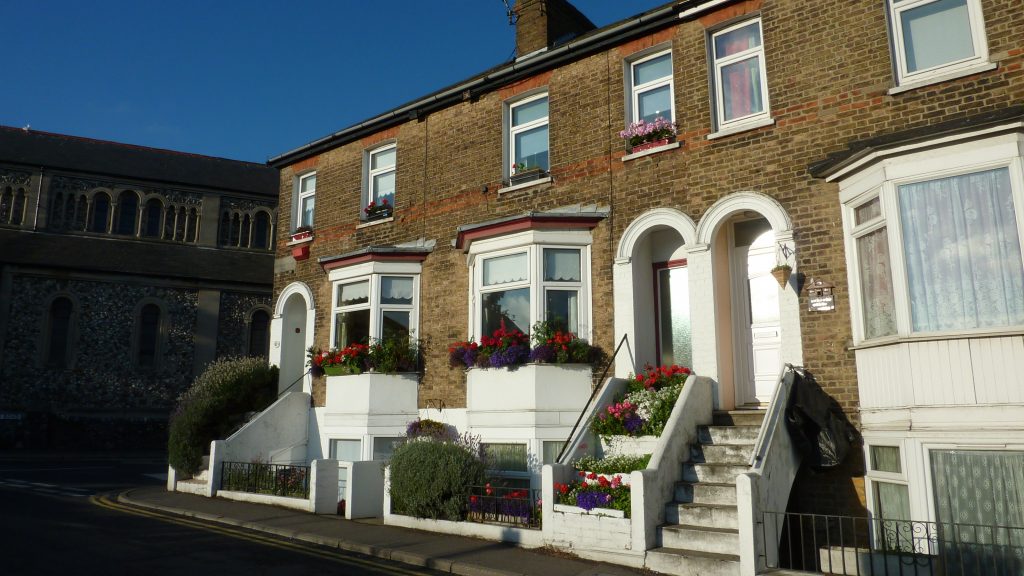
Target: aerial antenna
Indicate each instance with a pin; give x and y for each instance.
(513, 16)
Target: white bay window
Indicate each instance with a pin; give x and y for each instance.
(375, 300)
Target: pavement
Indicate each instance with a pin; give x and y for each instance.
(443, 552)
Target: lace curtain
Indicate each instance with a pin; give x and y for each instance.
(962, 252)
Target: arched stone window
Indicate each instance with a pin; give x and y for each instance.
(127, 211)
(246, 230)
(259, 333)
(192, 228)
(59, 325)
(99, 220)
(81, 210)
(151, 218)
(261, 231)
(147, 336)
(6, 203)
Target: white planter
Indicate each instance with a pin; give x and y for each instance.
(609, 512)
(548, 387)
(372, 393)
(629, 445)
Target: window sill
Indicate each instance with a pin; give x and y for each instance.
(893, 340)
(305, 240)
(751, 125)
(375, 222)
(537, 182)
(649, 151)
(960, 72)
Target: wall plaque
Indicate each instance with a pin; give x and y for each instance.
(820, 296)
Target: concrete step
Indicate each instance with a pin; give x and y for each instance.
(723, 453)
(689, 563)
(720, 473)
(193, 486)
(728, 434)
(702, 514)
(699, 538)
(705, 493)
(738, 418)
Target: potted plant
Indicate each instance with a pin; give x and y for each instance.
(781, 272)
(643, 135)
(302, 233)
(349, 360)
(522, 173)
(301, 238)
(375, 211)
(632, 423)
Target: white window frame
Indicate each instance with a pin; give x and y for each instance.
(373, 272)
(512, 130)
(750, 120)
(883, 179)
(301, 196)
(635, 90)
(370, 190)
(942, 71)
(532, 243)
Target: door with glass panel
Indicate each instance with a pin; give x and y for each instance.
(756, 322)
(672, 303)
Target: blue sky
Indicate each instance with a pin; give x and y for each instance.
(245, 80)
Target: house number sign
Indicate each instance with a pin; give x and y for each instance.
(820, 296)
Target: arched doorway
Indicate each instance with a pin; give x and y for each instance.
(291, 334)
(652, 292)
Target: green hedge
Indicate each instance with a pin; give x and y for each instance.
(215, 405)
(431, 479)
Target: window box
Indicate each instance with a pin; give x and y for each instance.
(525, 176)
(372, 393)
(301, 251)
(374, 213)
(531, 387)
(302, 234)
(648, 145)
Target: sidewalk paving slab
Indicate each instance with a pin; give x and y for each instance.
(443, 552)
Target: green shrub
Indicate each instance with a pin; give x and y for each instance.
(622, 464)
(432, 479)
(215, 405)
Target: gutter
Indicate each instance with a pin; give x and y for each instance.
(516, 70)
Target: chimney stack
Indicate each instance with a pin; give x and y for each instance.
(541, 24)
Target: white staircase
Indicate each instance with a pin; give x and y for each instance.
(701, 535)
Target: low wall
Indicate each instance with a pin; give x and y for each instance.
(282, 501)
(364, 489)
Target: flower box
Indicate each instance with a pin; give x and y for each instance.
(380, 214)
(302, 235)
(629, 445)
(300, 252)
(526, 176)
(649, 145)
(373, 393)
(610, 512)
(530, 387)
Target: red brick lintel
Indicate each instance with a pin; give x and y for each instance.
(534, 222)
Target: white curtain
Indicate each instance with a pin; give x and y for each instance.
(395, 290)
(505, 269)
(876, 284)
(561, 265)
(962, 251)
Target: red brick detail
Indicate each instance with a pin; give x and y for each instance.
(731, 11)
(331, 264)
(466, 238)
(530, 83)
(379, 136)
(305, 164)
(646, 42)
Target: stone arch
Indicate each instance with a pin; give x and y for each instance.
(739, 201)
(667, 217)
(291, 334)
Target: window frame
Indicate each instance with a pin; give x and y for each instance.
(160, 344)
(512, 130)
(898, 47)
(300, 197)
(373, 272)
(71, 335)
(369, 191)
(883, 180)
(634, 91)
(717, 92)
(532, 243)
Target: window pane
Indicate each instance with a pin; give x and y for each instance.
(936, 34)
(962, 252)
(654, 103)
(886, 459)
(562, 309)
(510, 457)
(738, 40)
(532, 147)
(741, 89)
(60, 327)
(154, 212)
(384, 447)
(259, 333)
(879, 314)
(653, 69)
(674, 333)
(100, 213)
(382, 158)
(351, 327)
(562, 264)
(395, 290)
(307, 210)
(126, 213)
(504, 269)
(354, 293)
(551, 450)
(868, 211)
(347, 450)
(149, 329)
(394, 324)
(261, 231)
(893, 505)
(307, 184)
(384, 186)
(509, 306)
(529, 112)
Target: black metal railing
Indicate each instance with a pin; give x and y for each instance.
(865, 546)
(512, 506)
(256, 478)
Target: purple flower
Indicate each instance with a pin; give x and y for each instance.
(542, 353)
(633, 423)
(511, 356)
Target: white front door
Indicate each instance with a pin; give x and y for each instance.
(758, 333)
